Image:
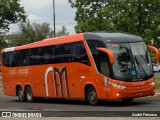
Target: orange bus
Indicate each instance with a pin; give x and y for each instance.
(93, 66)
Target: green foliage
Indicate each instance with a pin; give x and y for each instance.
(32, 32)
(29, 33)
(62, 32)
(2, 42)
(157, 81)
(140, 17)
(10, 12)
(153, 56)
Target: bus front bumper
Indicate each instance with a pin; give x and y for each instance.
(118, 94)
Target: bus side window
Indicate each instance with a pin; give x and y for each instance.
(13, 59)
(35, 58)
(48, 56)
(25, 58)
(63, 53)
(101, 59)
(5, 58)
(79, 53)
(103, 64)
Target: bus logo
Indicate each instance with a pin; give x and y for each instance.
(63, 83)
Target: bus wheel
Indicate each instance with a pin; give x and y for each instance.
(92, 96)
(29, 94)
(21, 95)
(127, 101)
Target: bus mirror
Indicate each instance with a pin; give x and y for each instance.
(109, 53)
(155, 50)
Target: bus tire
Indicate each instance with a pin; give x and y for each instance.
(21, 95)
(92, 96)
(127, 101)
(29, 94)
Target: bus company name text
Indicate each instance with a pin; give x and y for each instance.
(20, 71)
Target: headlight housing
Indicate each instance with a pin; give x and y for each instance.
(117, 86)
(152, 83)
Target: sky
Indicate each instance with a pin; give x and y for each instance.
(40, 11)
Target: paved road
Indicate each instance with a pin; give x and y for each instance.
(139, 104)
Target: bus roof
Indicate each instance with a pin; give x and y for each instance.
(47, 42)
(112, 37)
(100, 36)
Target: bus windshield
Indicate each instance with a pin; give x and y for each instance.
(132, 61)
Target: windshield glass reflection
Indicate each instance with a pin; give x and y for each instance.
(132, 62)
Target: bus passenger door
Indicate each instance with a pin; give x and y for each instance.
(79, 67)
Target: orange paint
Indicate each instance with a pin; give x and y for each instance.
(68, 80)
(156, 52)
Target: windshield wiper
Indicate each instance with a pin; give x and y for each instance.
(141, 68)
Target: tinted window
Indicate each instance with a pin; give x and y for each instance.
(35, 56)
(48, 55)
(63, 53)
(100, 58)
(5, 58)
(94, 44)
(22, 58)
(79, 53)
(71, 52)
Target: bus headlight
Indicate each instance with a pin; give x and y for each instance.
(117, 94)
(121, 87)
(118, 86)
(152, 84)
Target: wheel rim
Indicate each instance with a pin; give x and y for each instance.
(93, 97)
(29, 94)
(21, 95)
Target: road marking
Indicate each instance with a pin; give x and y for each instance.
(50, 110)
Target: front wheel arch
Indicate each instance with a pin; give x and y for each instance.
(90, 91)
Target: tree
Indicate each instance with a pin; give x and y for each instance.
(10, 12)
(29, 32)
(141, 17)
(89, 16)
(62, 32)
(3, 44)
(32, 32)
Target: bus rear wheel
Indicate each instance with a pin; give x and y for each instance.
(29, 94)
(21, 95)
(92, 96)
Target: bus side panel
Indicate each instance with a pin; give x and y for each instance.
(57, 80)
(78, 76)
(9, 80)
(66, 80)
(62, 80)
(6, 82)
(36, 80)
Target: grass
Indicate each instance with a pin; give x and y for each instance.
(157, 82)
(1, 90)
